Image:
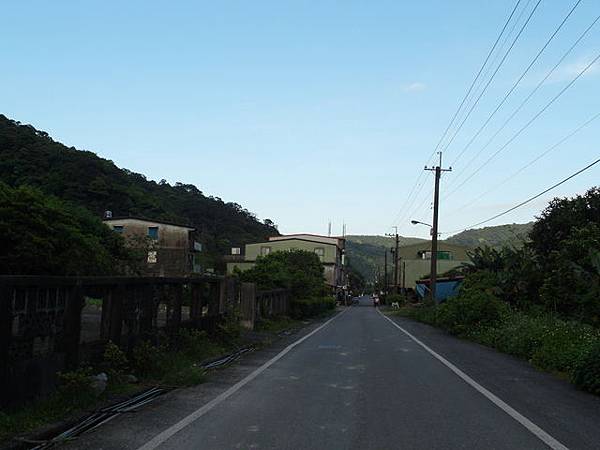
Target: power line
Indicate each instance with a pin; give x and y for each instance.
(524, 127)
(494, 73)
(533, 161)
(514, 86)
(530, 199)
(402, 209)
(531, 94)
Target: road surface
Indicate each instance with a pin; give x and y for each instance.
(360, 382)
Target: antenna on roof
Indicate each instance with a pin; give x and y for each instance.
(329, 230)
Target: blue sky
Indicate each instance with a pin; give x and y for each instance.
(301, 111)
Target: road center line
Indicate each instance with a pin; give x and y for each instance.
(532, 427)
(160, 438)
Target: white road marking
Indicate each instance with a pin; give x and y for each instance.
(160, 438)
(532, 427)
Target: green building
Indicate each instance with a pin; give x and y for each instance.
(415, 261)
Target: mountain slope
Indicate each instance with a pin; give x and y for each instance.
(498, 236)
(31, 157)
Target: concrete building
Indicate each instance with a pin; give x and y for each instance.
(170, 250)
(415, 260)
(331, 251)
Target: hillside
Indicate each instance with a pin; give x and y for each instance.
(366, 253)
(30, 157)
(498, 236)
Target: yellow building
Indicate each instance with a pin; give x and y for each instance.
(415, 260)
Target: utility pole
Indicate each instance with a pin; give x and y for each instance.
(394, 252)
(385, 273)
(434, 229)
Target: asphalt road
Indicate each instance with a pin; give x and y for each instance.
(359, 382)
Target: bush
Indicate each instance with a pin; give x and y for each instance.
(306, 308)
(586, 375)
(395, 298)
(465, 314)
(114, 362)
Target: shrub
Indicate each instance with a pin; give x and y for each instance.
(305, 308)
(587, 372)
(147, 358)
(466, 313)
(395, 298)
(75, 383)
(115, 362)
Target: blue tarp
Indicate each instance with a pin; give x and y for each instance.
(444, 289)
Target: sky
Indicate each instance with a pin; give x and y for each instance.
(307, 112)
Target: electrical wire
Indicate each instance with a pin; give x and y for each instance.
(524, 127)
(533, 161)
(402, 209)
(493, 74)
(531, 94)
(516, 83)
(530, 199)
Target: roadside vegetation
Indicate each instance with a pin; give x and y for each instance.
(299, 271)
(540, 302)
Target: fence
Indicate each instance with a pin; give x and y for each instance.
(256, 305)
(49, 324)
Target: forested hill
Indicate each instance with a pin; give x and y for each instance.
(513, 235)
(30, 157)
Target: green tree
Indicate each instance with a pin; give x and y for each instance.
(41, 235)
(298, 270)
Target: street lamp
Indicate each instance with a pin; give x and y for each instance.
(416, 222)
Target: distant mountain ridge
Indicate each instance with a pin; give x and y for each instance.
(497, 236)
(366, 252)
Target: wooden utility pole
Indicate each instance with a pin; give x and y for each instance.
(394, 251)
(396, 263)
(385, 273)
(434, 229)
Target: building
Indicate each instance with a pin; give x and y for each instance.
(415, 261)
(330, 250)
(169, 248)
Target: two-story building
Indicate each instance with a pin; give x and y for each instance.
(330, 250)
(415, 260)
(169, 248)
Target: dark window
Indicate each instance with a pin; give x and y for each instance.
(153, 233)
(118, 228)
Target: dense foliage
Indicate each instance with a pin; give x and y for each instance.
(299, 271)
(540, 302)
(30, 157)
(41, 235)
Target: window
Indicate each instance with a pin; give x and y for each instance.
(153, 233)
(236, 251)
(118, 228)
(320, 251)
(264, 251)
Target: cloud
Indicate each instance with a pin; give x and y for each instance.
(571, 70)
(415, 86)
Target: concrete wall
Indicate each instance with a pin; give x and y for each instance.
(173, 246)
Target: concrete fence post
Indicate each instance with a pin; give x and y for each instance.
(248, 305)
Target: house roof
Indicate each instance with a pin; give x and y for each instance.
(335, 240)
(292, 238)
(143, 219)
